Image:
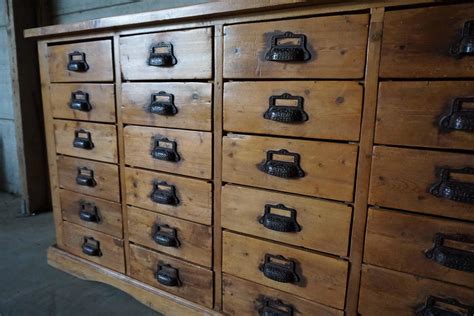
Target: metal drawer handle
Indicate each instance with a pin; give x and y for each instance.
(162, 103)
(85, 177)
(83, 140)
(167, 275)
(161, 55)
(77, 62)
(281, 49)
(80, 101)
(437, 306)
(164, 193)
(286, 113)
(452, 189)
(450, 257)
(280, 269)
(88, 212)
(279, 222)
(91, 247)
(165, 149)
(458, 119)
(282, 169)
(465, 46)
(166, 236)
(271, 307)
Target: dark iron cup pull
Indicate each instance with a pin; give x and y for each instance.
(83, 140)
(458, 119)
(85, 177)
(162, 103)
(281, 50)
(282, 169)
(166, 236)
(280, 269)
(271, 307)
(277, 222)
(465, 46)
(286, 113)
(167, 275)
(437, 306)
(161, 55)
(453, 258)
(91, 247)
(80, 101)
(88, 212)
(165, 149)
(77, 62)
(452, 189)
(164, 193)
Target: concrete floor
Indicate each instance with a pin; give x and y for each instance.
(28, 286)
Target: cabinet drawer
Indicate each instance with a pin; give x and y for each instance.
(390, 293)
(242, 297)
(332, 47)
(93, 213)
(186, 240)
(423, 181)
(178, 105)
(183, 152)
(421, 245)
(79, 62)
(169, 55)
(306, 274)
(89, 177)
(191, 199)
(87, 102)
(94, 246)
(426, 114)
(330, 110)
(194, 282)
(291, 219)
(424, 43)
(86, 140)
(325, 169)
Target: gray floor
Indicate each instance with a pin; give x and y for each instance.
(28, 286)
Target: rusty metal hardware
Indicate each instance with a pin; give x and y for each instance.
(288, 52)
(286, 113)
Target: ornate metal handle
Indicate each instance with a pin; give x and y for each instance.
(271, 307)
(285, 113)
(458, 119)
(465, 46)
(280, 269)
(77, 62)
(80, 101)
(282, 169)
(451, 189)
(89, 212)
(167, 275)
(91, 247)
(453, 258)
(165, 149)
(161, 55)
(166, 236)
(83, 140)
(162, 103)
(85, 177)
(277, 222)
(283, 50)
(164, 193)
(436, 306)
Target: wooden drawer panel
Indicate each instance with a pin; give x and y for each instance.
(192, 50)
(324, 226)
(192, 104)
(194, 197)
(403, 178)
(105, 177)
(77, 239)
(332, 109)
(336, 47)
(98, 57)
(87, 102)
(196, 282)
(194, 150)
(93, 213)
(415, 43)
(242, 297)
(321, 278)
(410, 113)
(102, 136)
(390, 293)
(329, 169)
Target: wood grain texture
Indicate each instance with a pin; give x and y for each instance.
(322, 278)
(333, 108)
(193, 101)
(325, 226)
(329, 168)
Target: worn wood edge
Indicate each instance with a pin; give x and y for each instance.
(155, 299)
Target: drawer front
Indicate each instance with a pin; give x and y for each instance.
(332, 47)
(330, 110)
(385, 292)
(89, 177)
(183, 152)
(86, 140)
(178, 105)
(309, 275)
(86, 102)
(421, 245)
(169, 55)
(79, 62)
(194, 282)
(415, 44)
(324, 170)
(416, 180)
(93, 213)
(306, 222)
(242, 297)
(94, 246)
(426, 114)
(180, 197)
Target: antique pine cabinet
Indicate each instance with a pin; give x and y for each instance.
(267, 157)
